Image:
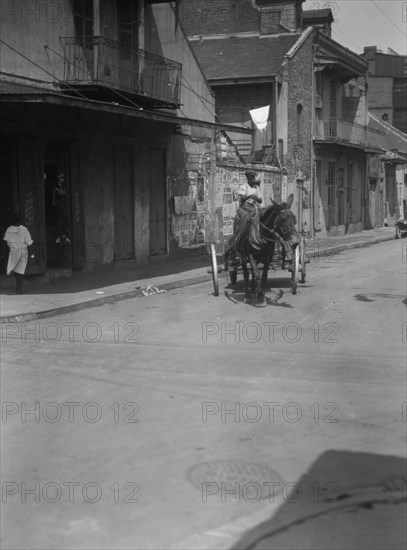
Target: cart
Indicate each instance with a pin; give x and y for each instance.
(214, 268)
(297, 266)
(401, 228)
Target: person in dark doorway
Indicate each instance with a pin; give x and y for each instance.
(58, 200)
(18, 239)
(63, 241)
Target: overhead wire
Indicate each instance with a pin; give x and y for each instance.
(77, 92)
(67, 85)
(41, 68)
(388, 18)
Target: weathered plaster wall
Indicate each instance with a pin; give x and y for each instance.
(298, 70)
(228, 177)
(27, 26)
(191, 189)
(164, 37)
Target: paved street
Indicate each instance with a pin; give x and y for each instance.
(183, 420)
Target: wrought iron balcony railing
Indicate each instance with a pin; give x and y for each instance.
(337, 130)
(100, 61)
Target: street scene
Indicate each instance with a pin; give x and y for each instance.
(122, 429)
(203, 270)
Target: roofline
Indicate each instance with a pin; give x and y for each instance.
(205, 37)
(243, 80)
(388, 127)
(295, 47)
(337, 47)
(208, 37)
(325, 17)
(396, 55)
(69, 101)
(191, 49)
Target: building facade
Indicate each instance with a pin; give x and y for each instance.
(271, 53)
(387, 80)
(108, 134)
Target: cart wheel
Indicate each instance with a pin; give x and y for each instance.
(214, 263)
(294, 271)
(233, 276)
(303, 261)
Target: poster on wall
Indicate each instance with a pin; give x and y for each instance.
(200, 228)
(284, 185)
(200, 194)
(229, 210)
(189, 229)
(227, 228)
(192, 228)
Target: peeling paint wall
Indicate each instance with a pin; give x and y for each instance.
(190, 189)
(227, 179)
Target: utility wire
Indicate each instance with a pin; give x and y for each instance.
(347, 38)
(76, 91)
(388, 18)
(41, 68)
(115, 91)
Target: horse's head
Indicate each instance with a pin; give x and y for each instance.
(285, 222)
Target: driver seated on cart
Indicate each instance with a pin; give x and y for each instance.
(248, 212)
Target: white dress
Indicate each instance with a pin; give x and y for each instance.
(17, 238)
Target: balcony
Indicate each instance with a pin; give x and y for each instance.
(348, 133)
(103, 68)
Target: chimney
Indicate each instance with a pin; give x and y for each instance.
(279, 15)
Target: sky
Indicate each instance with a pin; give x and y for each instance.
(359, 23)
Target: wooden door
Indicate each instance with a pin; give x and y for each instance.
(372, 202)
(74, 172)
(158, 211)
(124, 203)
(341, 196)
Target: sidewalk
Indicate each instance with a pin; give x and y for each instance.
(90, 289)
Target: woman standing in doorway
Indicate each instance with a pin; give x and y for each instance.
(18, 239)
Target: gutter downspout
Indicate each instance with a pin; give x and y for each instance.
(312, 182)
(275, 134)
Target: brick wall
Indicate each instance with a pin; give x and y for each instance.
(298, 75)
(278, 18)
(207, 17)
(380, 93)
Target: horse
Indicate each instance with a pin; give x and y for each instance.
(277, 223)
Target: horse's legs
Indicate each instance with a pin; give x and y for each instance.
(246, 280)
(255, 270)
(253, 285)
(265, 271)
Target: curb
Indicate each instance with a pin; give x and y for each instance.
(171, 285)
(331, 250)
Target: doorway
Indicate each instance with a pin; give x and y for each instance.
(158, 198)
(372, 202)
(56, 202)
(124, 202)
